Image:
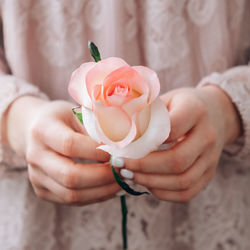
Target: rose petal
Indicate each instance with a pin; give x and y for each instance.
(88, 118)
(142, 120)
(152, 79)
(113, 121)
(119, 144)
(115, 100)
(101, 69)
(113, 126)
(96, 93)
(157, 132)
(77, 85)
(136, 105)
(126, 76)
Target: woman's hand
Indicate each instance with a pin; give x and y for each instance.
(50, 137)
(202, 122)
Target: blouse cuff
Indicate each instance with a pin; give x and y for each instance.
(236, 83)
(11, 89)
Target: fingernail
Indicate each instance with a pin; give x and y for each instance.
(120, 193)
(117, 162)
(127, 174)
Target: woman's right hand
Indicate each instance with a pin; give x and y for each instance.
(50, 137)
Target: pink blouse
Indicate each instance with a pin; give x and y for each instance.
(186, 42)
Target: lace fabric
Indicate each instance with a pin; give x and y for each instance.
(236, 80)
(44, 41)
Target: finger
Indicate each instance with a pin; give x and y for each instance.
(184, 114)
(86, 196)
(70, 174)
(77, 125)
(59, 193)
(36, 178)
(178, 182)
(48, 189)
(47, 195)
(66, 141)
(186, 195)
(174, 160)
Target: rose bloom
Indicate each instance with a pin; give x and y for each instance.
(120, 106)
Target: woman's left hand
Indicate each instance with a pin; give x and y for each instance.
(203, 121)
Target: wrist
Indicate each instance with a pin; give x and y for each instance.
(17, 120)
(228, 113)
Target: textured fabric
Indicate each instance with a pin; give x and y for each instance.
(236, 80)
(184, 41)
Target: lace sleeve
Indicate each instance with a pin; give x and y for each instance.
(236, 83)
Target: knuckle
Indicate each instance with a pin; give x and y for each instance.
(178, 162)
(33, 178)
(33, 156)
(71, 196)
(177, 168)
(159, 194)
(145, 180)
(149, 181)
(186, 196)
(211, 173)
(134, 165)
(210, 136)
(161, 198)
(139, 164)
(184, 182)
(67, 144)
(40, 193)
(36, 131)
(68, 178)
(100, 155)
(30, 155)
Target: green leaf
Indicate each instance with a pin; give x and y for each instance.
(78, 115)
(123, 184)
(94, 51)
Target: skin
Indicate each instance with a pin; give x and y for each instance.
(203, 121)
(51, 137)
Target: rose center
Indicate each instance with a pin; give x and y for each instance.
(118, 90)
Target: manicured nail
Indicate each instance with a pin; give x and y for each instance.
(120, 193)
(117, 162)
(127, 174)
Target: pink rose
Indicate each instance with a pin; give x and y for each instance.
(120, 106)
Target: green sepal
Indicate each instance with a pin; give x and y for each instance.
(78, 115)
(123, 184)
(94, 51)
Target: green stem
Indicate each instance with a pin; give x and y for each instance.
(124, 221)
(124, 211)
(123, 184)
